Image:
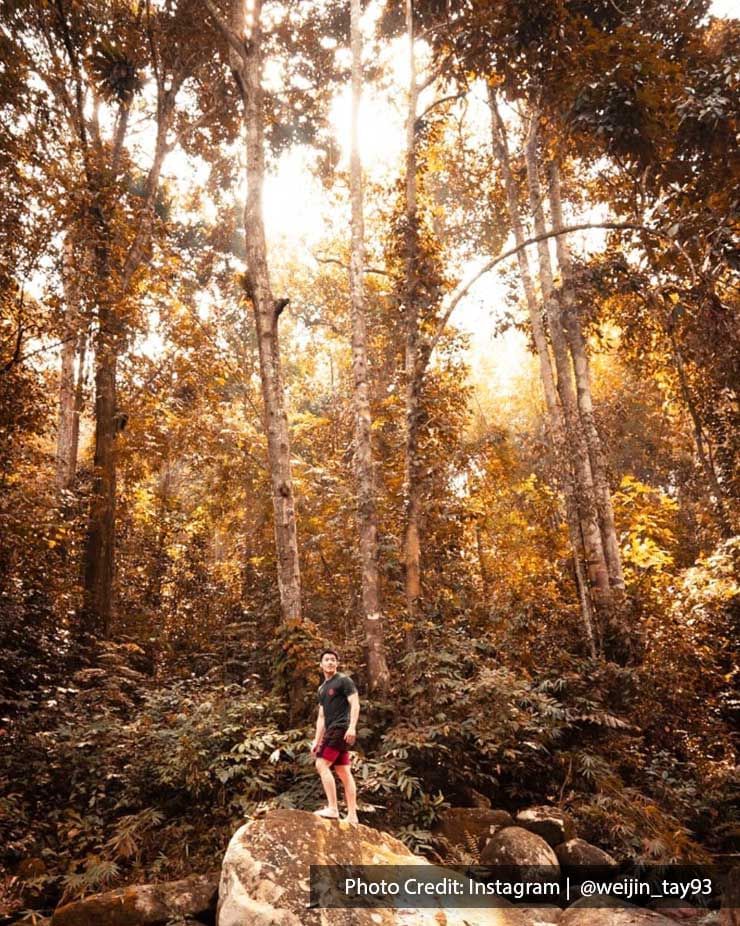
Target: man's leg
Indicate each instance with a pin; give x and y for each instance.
(323, 767)
(350, 791)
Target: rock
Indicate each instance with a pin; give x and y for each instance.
(465, 826)
(730, 912)
(517, 846)
(579, 852)
(143, 905)
(687, 915)
(609, 913)
(266, 871)
(551, 823)
(540, 916)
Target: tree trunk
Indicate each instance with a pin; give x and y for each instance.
(576, 442)
(73, 344)
(554, 412)
(378, 675)
(266, 313)
(99, 550)
(582, 370)
(413, 366)
(79, 395)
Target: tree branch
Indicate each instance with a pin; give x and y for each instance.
(228, 33)
(439, 102)
(582, 226)
(335, 260)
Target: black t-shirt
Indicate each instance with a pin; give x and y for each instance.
(333, 697)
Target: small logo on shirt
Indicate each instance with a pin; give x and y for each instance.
(331, 692)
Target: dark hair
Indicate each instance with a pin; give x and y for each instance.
(332, 651)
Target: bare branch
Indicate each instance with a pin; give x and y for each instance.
(444, 99)
(462, 291)
(335, 260)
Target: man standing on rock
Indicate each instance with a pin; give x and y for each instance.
(336, 731)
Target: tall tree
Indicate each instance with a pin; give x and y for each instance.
(412, 475)
(366, 507)
(582, 371)
(578, 537)
(576, 442)
(244, 35)
(94, 64)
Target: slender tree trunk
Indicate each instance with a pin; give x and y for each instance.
(582, 370)
(366, 509)
(66, 450)
(413, 363)
(249, 68)
(99, 550)
(576, 442)
(554, 413)
(79, 395)
(73, 345)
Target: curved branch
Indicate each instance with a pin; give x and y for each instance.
(582, 226)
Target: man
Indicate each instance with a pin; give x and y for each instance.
(336, 731)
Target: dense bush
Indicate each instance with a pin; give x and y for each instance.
(139, 779)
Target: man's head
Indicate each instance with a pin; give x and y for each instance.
(329, 661)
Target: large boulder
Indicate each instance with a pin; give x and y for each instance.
(465, 826)
(609, 913)
(542, 915)
(517, 846)
(265, 878)
(144, 904)
(551, 823)
(576, 852)
(686, 915)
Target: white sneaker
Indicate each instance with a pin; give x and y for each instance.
(349, 819)
(327, 813)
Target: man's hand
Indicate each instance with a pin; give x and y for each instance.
(350, 736)
(314, 746)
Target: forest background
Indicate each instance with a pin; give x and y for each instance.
(278, 371)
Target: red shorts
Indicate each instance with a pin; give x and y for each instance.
(333, 748)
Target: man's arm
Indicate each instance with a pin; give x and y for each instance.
(319, 729)
(354, 714)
